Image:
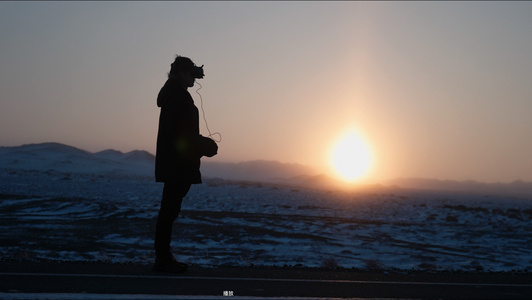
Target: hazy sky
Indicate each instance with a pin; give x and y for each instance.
(436, 89)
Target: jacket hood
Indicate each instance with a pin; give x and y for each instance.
(168, 91)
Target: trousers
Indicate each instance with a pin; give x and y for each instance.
(173, 194)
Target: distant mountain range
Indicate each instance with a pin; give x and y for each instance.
(64, 158)
(515, 188)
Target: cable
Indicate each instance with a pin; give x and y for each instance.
(205, 119)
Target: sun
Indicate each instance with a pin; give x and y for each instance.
(351, 158)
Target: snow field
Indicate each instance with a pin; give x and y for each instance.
(69, 216)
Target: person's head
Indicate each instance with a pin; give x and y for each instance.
(184, 70)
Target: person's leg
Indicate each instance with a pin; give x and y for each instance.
(173, 194)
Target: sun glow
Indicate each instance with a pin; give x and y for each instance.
(351, 158)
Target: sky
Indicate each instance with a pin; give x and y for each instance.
(434, 89)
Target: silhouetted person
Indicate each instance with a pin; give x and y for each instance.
(179, 149)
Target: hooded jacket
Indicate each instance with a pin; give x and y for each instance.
(179, 144)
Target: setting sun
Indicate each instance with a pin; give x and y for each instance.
(351, 157)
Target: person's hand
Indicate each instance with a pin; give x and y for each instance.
(208, 147)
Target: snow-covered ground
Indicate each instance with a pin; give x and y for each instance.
(65, 215)
(89, 217)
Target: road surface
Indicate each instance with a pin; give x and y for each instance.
(90, 280)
